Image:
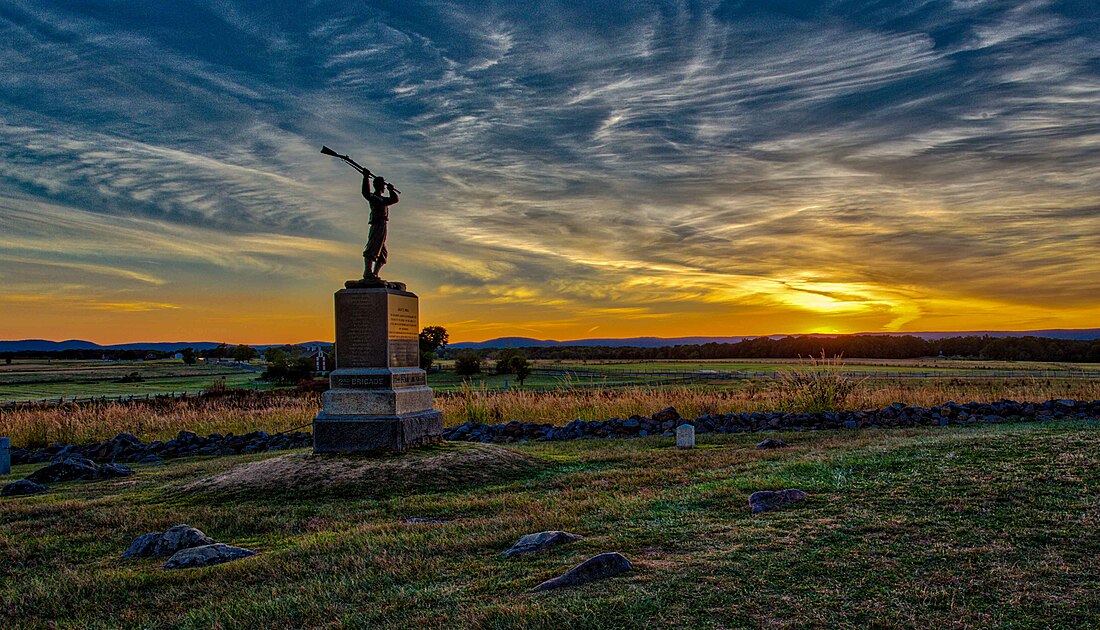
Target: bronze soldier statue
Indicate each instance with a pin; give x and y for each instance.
(375, 252)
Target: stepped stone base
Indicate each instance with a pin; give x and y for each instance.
(372, 433)
(378, 402)
(379, 399)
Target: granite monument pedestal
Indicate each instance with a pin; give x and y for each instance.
(378, 398)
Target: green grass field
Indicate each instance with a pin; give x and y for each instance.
(34, 380)
(627, 373)
(993, 526)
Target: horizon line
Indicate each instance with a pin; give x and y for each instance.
(740, 336)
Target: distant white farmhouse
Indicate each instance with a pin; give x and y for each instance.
(320, 359)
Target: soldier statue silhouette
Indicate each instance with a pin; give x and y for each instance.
(375, 253)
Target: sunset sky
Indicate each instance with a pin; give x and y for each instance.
(570, 169)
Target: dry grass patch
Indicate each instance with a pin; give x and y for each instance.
(161, 420)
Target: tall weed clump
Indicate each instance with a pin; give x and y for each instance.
(816, 385)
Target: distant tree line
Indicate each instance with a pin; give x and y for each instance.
(113, 355)
(850, 346)
(433, 343)
(242, 353)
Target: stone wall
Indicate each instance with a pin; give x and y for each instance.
(127, 448)
(665, 422)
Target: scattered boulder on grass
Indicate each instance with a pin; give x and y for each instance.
(77, 468)
(598, 567)
(767, 500)
(772, 443)
(165, 544)
(144, 546)
(206, 556)
(21, 488)
(539, 542)
(181, 537)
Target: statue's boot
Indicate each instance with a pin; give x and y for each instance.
(367, 273)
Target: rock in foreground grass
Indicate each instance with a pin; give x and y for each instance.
(165, 544)
(539, 542)
(21, 488)
(598, 567)
(767, 500)
(207, 556)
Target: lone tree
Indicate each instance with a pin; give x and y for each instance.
(504, 360)
(244, 354)
(521, 368)
(514, 361)
(432, 338)
(188, 356)
(467, 363)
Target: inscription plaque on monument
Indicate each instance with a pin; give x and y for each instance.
(377, 328)
(379, 398)
(396, 380)
(404, 331)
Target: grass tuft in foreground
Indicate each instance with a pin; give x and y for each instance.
(816, 386)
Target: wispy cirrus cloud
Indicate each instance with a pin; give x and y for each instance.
(666, 167)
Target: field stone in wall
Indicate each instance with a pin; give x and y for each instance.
(539, 542)
(68, 469)
(77, 468)
(206, 556)
(668, 414)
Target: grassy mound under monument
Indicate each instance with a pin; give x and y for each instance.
(443, 467)
(936, 527)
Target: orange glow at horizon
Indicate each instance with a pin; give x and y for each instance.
(697, 169)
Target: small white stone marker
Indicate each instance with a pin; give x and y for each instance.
(5, 456)
(685, 436)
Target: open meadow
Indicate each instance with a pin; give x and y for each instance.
(928, 527)
(605, 373)
(38, 379)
